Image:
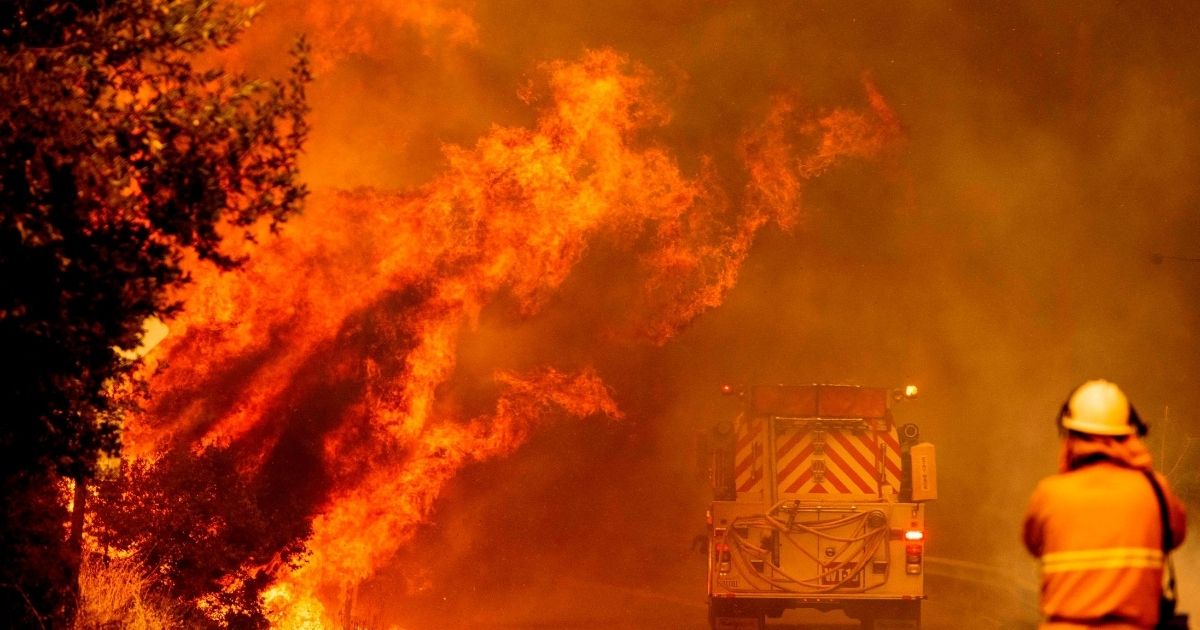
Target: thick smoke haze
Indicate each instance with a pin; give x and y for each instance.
(1015, 209)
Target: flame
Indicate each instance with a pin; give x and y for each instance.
(340, 30)
(369, 522)
(779, 164)
(341, 331)
(343, 29)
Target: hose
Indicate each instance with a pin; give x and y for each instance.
(870, 538)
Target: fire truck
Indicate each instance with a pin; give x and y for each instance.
(819, 503)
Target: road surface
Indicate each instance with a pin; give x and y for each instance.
(962, 595)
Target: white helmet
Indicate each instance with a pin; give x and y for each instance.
(1099, 408)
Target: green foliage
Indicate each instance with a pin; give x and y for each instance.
(119, 156)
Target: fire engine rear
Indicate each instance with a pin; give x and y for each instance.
(819, 504)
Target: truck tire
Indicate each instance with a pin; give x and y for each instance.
(892, 616)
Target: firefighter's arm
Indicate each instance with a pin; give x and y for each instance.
(1032, 532)
(1177, 512)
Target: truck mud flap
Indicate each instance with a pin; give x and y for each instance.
(724, 615)
(892, 616)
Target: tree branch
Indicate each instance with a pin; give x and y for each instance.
(28, 603)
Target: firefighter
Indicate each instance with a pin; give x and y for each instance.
(1096, 526)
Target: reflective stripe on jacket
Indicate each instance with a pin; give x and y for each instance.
(1097, 531)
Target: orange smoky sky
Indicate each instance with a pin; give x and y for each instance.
(543, 234)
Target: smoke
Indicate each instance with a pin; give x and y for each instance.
(652, 199)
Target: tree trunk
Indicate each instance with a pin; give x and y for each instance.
(80, 504)
(75, 544)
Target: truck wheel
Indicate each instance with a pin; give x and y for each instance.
(893, 616)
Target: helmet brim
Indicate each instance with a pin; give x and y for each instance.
(1098, 429)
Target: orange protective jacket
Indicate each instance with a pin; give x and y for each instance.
(1097, 531)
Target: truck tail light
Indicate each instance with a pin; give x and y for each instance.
(723, 559)
(912, 555)
(914, 535)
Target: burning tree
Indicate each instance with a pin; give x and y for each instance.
(120, 156)
(336, 405)
(322, 411)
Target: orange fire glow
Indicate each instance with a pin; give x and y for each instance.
(368, 294)
(344, 29)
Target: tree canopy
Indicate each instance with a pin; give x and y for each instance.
(203, 530)
(120, 155)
